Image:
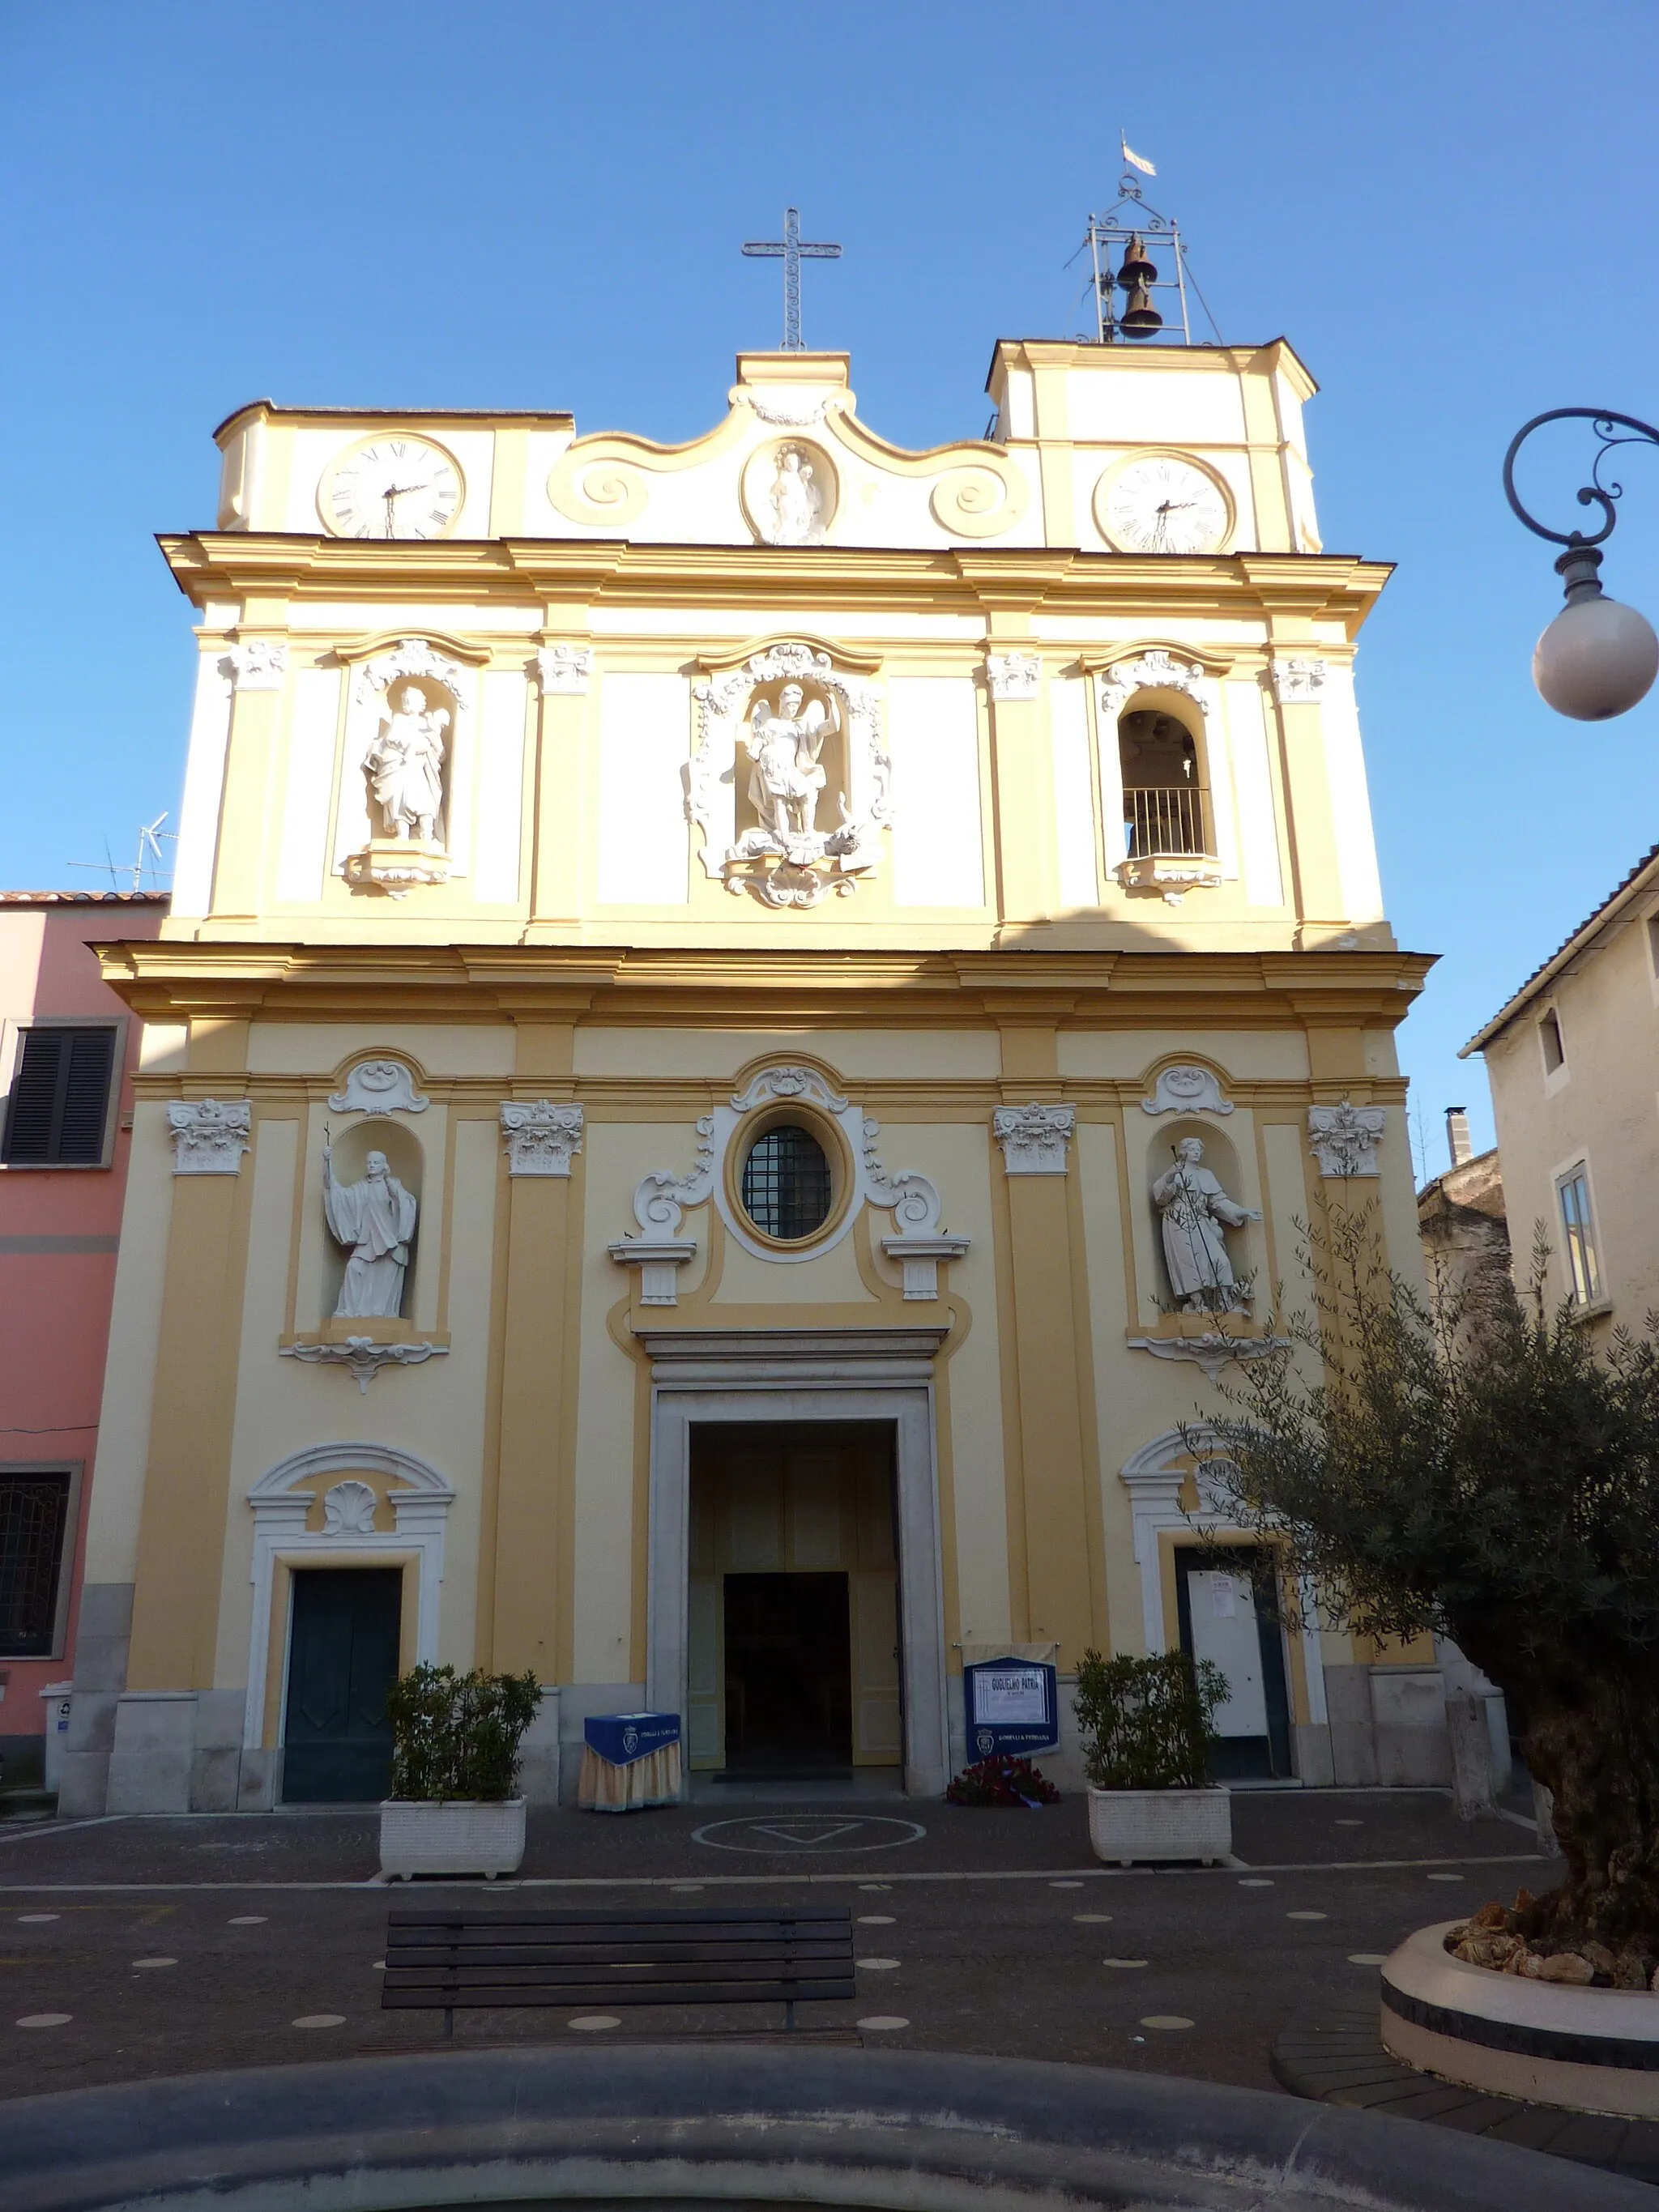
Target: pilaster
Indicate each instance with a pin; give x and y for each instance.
(1296, 684)
(535, 1485)
(259, 668)
(564, 668)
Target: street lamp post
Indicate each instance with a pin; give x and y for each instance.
(1597, 657)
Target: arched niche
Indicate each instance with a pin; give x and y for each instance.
(1246, 1247)
(1163, 773)
(406, 1158)
(832, 759)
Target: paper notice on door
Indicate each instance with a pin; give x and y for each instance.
(1224, 1596)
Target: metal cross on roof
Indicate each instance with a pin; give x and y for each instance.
(791, 252)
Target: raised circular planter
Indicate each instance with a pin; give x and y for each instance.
(707, 2128)
(1593, 2050)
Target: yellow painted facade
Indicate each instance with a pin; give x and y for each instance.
(598, 965)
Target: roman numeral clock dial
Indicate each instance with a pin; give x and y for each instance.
(401, 487)
(1160, 504)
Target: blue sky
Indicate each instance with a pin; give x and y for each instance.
(1449, 210)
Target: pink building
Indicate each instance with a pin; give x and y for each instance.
(68, 1048)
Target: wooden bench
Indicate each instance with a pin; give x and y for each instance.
(445, 1956)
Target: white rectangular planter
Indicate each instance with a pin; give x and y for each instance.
(1129, 1824)
(459, 1837)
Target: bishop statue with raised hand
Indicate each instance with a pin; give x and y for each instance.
(376, 1218)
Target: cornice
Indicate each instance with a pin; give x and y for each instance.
(701, 986)
(217, 564)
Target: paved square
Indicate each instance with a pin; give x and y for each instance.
(140, 1946)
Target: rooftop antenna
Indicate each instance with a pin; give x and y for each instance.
(1132, 228)
(791, 251)
(150, 836)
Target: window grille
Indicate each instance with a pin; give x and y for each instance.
(1583, 1265)
(59, 1104)
(33, 1515)
(786, 1183)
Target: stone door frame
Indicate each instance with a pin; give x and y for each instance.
(800, 1376)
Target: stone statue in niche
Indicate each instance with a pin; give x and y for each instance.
(788, 775)
(405, 765)
(1196, 1214)
(795, 500)
(376, 1219)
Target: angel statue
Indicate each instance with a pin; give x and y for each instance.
(796, 502)
(1196, 1215)
(376, 1219)
(786, 777)
(405, 766)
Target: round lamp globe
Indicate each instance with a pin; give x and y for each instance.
(1596, 659)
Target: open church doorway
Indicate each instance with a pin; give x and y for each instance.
(1230, 1614)
(342, 1661)
(794, 1620)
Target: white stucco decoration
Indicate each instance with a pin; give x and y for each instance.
(1012, 675)
(1295, 680)
(1344, 1139)
(1034, 1139)
(281, 1501)
(564, 670)
(1211, 1352)
(378, 1086)
(790, 414)
(790, 859)
(1187, 1089)
(790, 492)
(1156, 670)
(408, 729)
(542, 1137)
(210, 1135)
(260, 665)
(660, 1201)
(349, 1510)
(362, 1357)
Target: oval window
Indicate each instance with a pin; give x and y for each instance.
(787, 1190)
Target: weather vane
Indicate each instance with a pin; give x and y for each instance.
(791, 250)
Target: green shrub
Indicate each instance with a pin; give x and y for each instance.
(457, 1735)
(1147, 1723)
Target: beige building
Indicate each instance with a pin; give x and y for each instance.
(1573, 1062)
(743, 1032)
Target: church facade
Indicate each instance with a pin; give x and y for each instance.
(743, 1032)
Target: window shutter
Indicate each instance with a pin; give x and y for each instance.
(85, 1084)
(60, 1097)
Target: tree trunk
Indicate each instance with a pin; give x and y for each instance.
(1592, 1738)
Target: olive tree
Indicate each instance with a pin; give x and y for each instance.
(1475, 1464)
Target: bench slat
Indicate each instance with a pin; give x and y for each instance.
(495, 1997)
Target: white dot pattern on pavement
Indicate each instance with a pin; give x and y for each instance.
(319, 2020)
(139, 1965)
(1368, 1958)
(34, 1919)
(1066, 1885)
(247, 1920)
(878, 1965)
(1166, 2020)
(589, 2023)
(875, 1920)
(1445, 1877)
(875, 1885)
(685, 1885)
(1306, 1915)
(884, 2023)
(1255, 1881)
(1123, 1962)
(1091, 1916)
(46, 2020)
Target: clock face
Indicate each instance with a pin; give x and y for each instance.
(391, 487)
(1160, 505)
